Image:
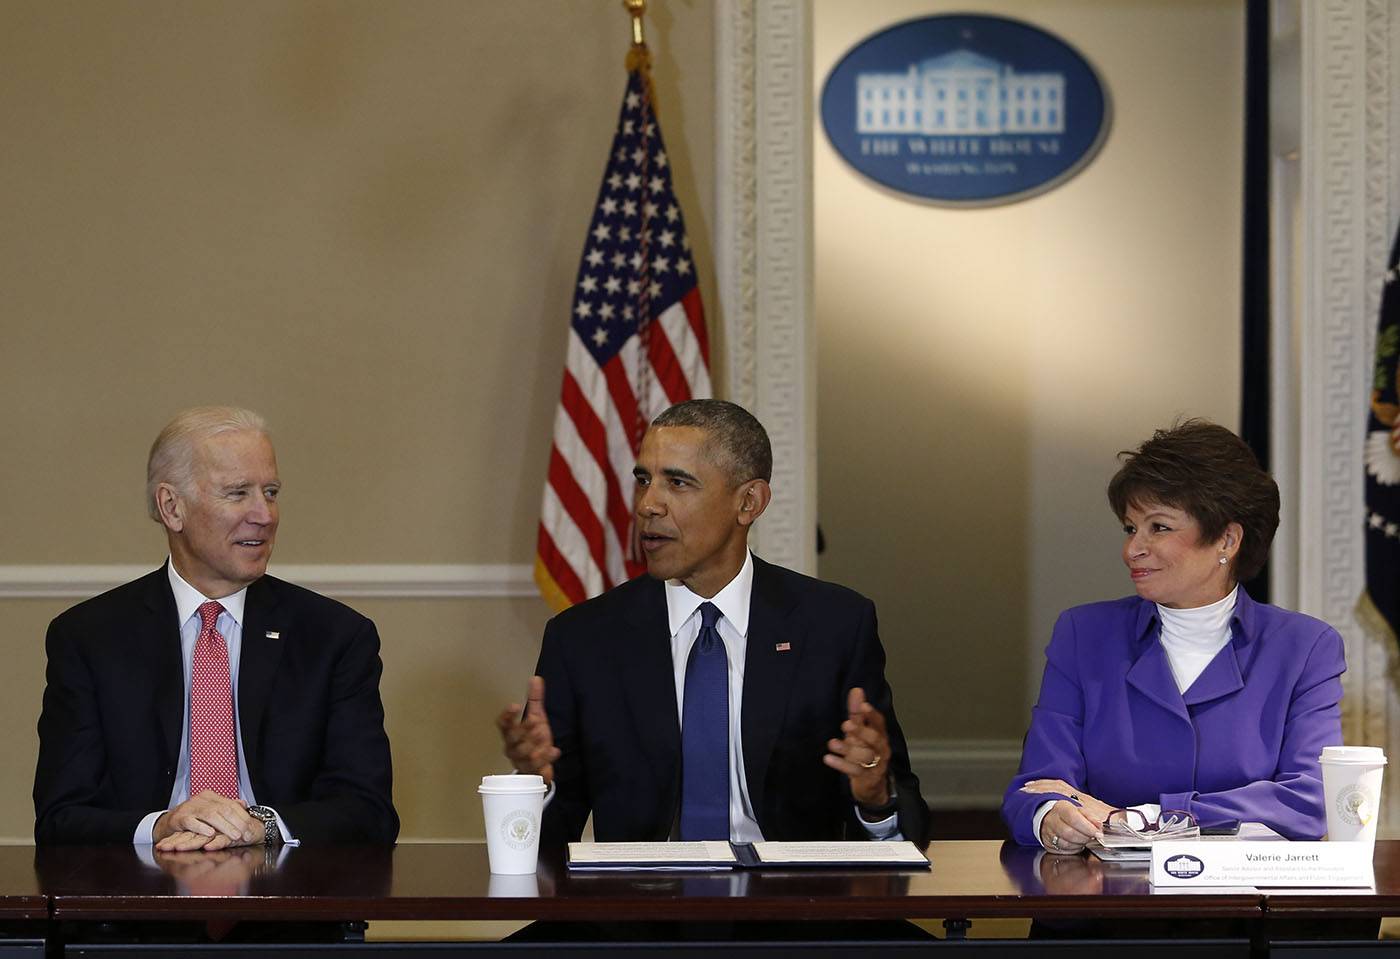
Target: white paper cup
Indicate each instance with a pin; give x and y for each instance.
(511, 807)
(1351, 788)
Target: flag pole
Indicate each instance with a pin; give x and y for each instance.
(636, 9)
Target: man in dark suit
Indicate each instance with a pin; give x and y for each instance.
(208, 705)
(806, 747)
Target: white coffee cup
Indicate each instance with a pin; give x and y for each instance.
(512, 806)
(1351, 788)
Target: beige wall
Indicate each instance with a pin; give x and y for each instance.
(364, 220)
(979, 368)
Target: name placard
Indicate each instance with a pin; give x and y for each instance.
(1318, 865)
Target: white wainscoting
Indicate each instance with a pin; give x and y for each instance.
(394, 581)
(964, 773)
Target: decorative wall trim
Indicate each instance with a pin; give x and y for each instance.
(390, 581)
(1347, 168)
(964, 773)
(764, 246)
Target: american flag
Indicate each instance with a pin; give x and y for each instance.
(637, 344)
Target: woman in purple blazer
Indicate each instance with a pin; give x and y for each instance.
(1190, 695)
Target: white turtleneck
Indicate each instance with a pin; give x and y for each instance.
(1193, 637)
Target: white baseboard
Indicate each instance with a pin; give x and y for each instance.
(964, 773)
(395, 581)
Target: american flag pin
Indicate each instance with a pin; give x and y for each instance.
(782, 647)
(272, 634)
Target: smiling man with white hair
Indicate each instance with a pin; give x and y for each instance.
(208, 704)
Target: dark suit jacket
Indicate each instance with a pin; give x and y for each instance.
(311, 720)
(611, 698)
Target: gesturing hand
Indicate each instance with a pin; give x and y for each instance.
(528, 742)
(864, 754)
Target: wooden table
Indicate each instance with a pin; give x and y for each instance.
(451, 881)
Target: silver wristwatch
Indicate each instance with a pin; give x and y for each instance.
(272, 836)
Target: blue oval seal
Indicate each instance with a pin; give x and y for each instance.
(965, 110)
(1183, 866)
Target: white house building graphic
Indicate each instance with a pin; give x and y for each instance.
(960, 92)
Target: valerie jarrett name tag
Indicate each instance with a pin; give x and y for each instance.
(1318, 865)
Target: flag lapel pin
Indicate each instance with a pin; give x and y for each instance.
(782, 647)
(273, 634)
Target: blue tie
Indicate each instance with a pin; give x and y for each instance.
(705, 735)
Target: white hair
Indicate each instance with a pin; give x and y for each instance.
(172, 454)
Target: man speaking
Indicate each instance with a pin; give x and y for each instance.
(720, 697)
(207, 704)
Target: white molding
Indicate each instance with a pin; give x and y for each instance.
(390, 581)
(1348, 166)
(764, 245)
(964, 773)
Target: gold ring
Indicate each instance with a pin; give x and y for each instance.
(870, 765)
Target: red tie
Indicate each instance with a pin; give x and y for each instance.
(213, 753)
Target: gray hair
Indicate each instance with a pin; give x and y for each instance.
(172, 454)
(737, 440)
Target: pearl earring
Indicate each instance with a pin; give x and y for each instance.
(1223, 560)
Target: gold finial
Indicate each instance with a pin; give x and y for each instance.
(636, 9)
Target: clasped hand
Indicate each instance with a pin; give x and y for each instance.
(207, 821)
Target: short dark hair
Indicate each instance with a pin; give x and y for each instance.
(1208, 472)
(737, 440)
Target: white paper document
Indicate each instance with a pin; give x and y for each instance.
(1249, 832)
(715, 854)
(900, 853)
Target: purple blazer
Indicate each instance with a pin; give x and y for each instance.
(1241, 743)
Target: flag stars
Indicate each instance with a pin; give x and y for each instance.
(660, 264)
(628, 128)
(583, 309)
(660, 158)
(667, 238)
(633, 181)
(615, 181)
(621, 155)
(1392, 531)
(654, 289)
(633, 101)
(594, 257)
(635, 261)
(649, 209)
(634, 287)
(638, 155)
(619, 261)
(629, 207)
(613, 285)
(1392, 274)
(605, 311)
(600, 337)
(672, 213)
(624, 234)
(609, 205)
(1376, 520)
(589, 284)
(657, 184)
(602, 232)
(683, 267)
(628, 313)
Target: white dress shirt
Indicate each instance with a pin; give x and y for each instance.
(683, 614)
(230, 626)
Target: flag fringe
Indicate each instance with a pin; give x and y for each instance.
(1377, 629)
(549, 589)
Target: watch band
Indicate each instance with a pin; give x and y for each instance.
(272, 835)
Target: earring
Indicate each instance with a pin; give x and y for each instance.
(1224, 560)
